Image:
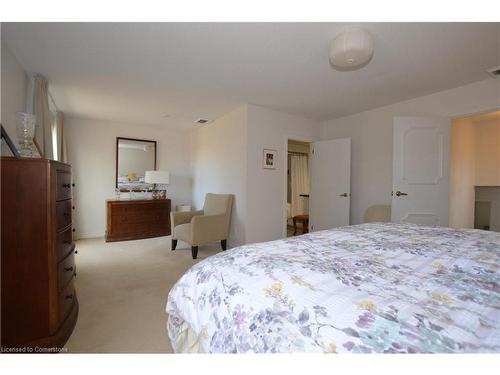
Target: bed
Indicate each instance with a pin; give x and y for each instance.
(378, 287)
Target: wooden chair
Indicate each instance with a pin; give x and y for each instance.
(304, 219)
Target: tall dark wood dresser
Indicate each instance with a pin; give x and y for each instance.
(39, 304)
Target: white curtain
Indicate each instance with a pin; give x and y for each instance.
(60, 143)
(38, 104)
(299, 176)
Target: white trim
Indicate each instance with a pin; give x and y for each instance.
(84, 236)
(482, 112)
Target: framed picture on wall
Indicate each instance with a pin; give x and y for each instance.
(269, 159)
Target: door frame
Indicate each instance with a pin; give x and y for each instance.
(287, 138)
(470, 114)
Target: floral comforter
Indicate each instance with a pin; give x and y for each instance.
(385, 288)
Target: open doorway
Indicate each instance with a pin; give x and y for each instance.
(474, 200)
(298, 187)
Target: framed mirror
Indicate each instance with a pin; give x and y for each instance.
(133, 158)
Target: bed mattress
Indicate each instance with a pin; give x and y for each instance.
(378, 287)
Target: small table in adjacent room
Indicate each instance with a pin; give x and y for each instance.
(133, 219)
(304, 219)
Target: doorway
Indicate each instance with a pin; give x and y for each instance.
(474, 200)
(298, 187)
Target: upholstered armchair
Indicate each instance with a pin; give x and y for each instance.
(204, 226)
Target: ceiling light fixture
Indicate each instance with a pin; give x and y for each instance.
(351, 49)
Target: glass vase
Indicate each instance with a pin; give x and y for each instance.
(26, 134)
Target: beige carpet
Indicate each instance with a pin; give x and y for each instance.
(122, 288)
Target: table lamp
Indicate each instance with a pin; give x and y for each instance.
(157, 178)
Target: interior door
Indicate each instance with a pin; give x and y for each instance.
(329, 202)
(420, 170)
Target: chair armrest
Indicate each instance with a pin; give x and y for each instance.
(208, 228)
(183, 217)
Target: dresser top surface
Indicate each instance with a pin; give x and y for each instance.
(33, 160)
(137, 200)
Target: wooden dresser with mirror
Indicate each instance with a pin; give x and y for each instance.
(129, 218)
(39, 303)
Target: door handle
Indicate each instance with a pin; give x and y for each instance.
(343, 195)
(399, 193)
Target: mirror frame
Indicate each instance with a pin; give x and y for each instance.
(117, 149)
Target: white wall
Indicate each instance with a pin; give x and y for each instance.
(487, 147)
(266, 188)
(371, 135)
(219, 166)
(92, 153)
(227, 158)
(14, 86)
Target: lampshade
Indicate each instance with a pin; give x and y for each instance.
(157, 177)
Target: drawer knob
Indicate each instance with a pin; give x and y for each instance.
(72, 207)
(69, 296)
(73, 185)
(76, 251)
(67, 269)
(74, 229)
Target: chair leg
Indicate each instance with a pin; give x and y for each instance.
(194, 251)
(223, 244)
(174, 244)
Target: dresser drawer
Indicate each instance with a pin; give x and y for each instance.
(63, 214)
(63, 185)
(66, 300)
(64, 243)
(66, 271)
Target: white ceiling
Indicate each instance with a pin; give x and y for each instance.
(137, 72)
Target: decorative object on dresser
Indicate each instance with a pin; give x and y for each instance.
(26, 135)
(158, 178)
(133, 219)
(39, 304)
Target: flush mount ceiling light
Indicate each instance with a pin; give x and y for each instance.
(351, 50)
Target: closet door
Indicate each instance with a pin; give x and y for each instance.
(420, 170)
(329, 202)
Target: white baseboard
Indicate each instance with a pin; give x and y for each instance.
(83, 236)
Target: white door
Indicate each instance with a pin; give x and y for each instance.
(420, 170)
(329, 201)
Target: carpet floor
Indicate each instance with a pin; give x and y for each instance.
(122, 288)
